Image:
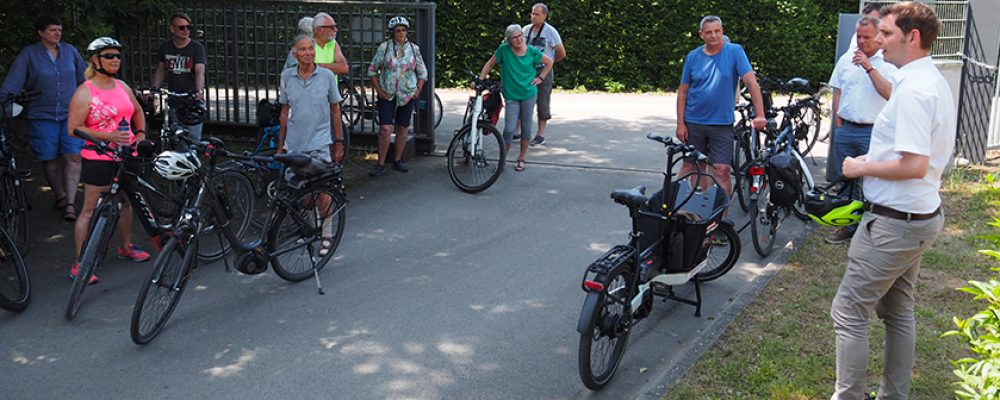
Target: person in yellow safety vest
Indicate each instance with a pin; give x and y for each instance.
(328, 52)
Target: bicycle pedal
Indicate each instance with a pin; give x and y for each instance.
(24, 173)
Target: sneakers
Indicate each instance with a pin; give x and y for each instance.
(399, 166)
(842, 235)
(539, 139)
(75, 269)
(377, 170)
(133, 252)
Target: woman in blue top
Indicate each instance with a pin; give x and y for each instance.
(52, 70)
(519, 79)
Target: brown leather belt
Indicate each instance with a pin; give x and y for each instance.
(896, 214)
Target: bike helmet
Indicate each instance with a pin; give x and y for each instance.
(176, 165)
(397, 21)
(191, 114)
(832, 209)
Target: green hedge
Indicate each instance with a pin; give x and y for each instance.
(640, 45)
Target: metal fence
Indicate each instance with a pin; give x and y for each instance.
(247, 43)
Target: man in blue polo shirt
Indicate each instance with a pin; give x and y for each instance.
(707, 95)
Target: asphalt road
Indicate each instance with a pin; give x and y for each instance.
(433, 294)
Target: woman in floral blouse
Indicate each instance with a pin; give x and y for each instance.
(398, 75)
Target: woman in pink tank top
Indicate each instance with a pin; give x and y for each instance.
(98, 106)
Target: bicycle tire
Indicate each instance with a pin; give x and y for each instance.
(807, 128)
(351, 107)
(15, 286)
(729, 247)
(741, 171)
(162, 289)
(239, 194)
(607, 335)
(438, 110)
(473, 173)
(824, 97)
(15, 216)
(95, 247)
(761, 225)
(292, 233)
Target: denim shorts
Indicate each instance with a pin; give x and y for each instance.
(50, 138)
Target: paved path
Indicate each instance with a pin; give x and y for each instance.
(434, 293)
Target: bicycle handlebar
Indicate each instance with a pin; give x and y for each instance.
(167, 92)
(687, 151)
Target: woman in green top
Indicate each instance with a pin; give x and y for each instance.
(520, 81)
(398, 75)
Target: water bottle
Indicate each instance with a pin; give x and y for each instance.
(123, 126)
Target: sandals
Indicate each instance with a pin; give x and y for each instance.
(60, 203)
(519, 166)
(69, 212)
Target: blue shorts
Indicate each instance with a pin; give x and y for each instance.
(49, 139)
(714, 141)
(390, 114)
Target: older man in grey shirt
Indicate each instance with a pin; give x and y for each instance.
(310, 107)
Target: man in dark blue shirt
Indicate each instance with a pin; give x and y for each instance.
(707, 95)
(51, 71)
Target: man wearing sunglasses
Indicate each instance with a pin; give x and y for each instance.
(181, 61)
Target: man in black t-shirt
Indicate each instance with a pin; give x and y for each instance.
(181, 61)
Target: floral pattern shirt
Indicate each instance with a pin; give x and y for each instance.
(398, 71)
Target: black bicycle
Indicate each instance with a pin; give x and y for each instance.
(301, 234)
(678, 235)
(14, 212)
(15, 286)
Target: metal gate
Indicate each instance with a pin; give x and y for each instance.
(976, 94)
(247, 42)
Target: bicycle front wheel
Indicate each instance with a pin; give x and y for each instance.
(237, 195)
(303, 239)
(162, 290)
(723, 251)
(741, 169)
(475, 167)
(15, 289)
(92, 255)
(603, 345)
(14, 216)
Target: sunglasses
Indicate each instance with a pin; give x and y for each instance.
(110, 56)
(183, 27)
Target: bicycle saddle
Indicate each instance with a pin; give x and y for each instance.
(293, 159)
(632, 197)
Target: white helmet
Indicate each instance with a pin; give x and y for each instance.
(176, 165)
(102, 43)
(397, 21)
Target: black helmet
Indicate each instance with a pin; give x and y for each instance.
(191, 114)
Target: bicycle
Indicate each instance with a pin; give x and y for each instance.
(14, 213)
(806, 118)
(779, 180)
(15, 286)
(476, 154)
(746, 145)
(302, 213)
(678, 235)
(128, 178)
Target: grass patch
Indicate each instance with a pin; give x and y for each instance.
(782, 345)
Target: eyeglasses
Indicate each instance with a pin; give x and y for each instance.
(334, 26)
(110, 56)
(517, 37)
(400, 29)
(183, 27)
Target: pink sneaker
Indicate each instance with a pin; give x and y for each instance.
(75, 269)
(133, 252)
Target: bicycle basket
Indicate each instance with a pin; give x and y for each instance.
(684, 233)
(268, 112)
(785, 179)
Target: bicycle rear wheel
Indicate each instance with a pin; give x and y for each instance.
(723, 252)
(162, 290)
(15, 288)
(603, 345)
(14, 215)
(351, 106)
(305, 238)
(807, 128)
(238, 195)
(476, 169)
(741, 168)
(764, 221)
(92, 254)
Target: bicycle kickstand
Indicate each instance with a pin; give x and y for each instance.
(319, 286)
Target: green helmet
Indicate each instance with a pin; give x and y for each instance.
(831, 209)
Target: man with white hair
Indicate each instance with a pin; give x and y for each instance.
(544, 37)
(328, 52)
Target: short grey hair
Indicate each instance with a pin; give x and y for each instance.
(510, 31)
(545, 8)
(305, 26)
(868, 20)
(707, 19)
(318, 19)
(300, 38)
